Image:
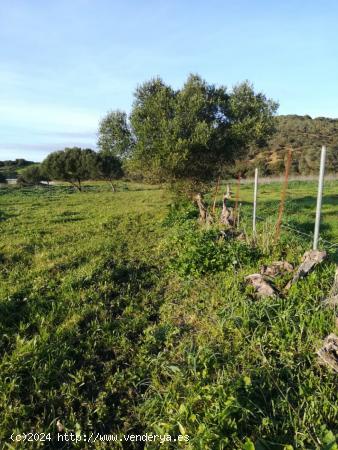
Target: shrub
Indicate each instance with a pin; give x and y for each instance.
(196, 252)
(30, 176)
(180, 213)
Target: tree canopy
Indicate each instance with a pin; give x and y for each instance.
(191, 133)
(114, 135)
(73, 165)
(178, 135)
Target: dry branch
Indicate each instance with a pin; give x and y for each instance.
(205, 217)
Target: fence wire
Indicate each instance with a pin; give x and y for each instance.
(293, 207)
(289, 227)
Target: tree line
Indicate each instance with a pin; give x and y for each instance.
(185, 136)
(74, 165)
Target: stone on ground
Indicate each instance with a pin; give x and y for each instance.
(329, 352)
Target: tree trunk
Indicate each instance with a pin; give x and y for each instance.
(204, 217)
(227, 217)
(75, 185)
(228, 193)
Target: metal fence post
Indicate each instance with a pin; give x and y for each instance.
(255, 204)
(319, 197)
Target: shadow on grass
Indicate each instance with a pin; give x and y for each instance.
(5, 216)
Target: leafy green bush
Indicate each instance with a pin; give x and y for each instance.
(180, 213)
(195, 251)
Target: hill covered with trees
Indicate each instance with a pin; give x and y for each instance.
(11, 168)
(306, 136)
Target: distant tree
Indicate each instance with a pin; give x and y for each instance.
(109, 168)
(309, 161)
(3, 178)
(32, 175)
(10, 168)
(332, 160)
(114, 135)
(20, 162)
(73, 165)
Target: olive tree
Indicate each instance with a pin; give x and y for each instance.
(191, 134)
(109, 168)
(73, 165)
(114, 135)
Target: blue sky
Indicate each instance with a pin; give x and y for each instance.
(64, 64)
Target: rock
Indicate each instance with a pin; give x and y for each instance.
(262, 286)
(329, 352)
(276, 268)
(332, 299)
(60, 426)
(309, 261)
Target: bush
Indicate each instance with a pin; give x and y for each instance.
(180, 213)
(31, 176)
(195, 252)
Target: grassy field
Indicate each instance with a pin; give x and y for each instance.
(119, 314)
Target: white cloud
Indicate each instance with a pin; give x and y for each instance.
(48, 117)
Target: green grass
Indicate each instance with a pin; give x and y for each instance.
(118, 314)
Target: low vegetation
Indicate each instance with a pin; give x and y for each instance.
(120, 314)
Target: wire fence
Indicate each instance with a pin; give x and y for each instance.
(292, 206)
(328, 243)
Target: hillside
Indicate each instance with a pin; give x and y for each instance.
(306, 136)
(11, 168)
